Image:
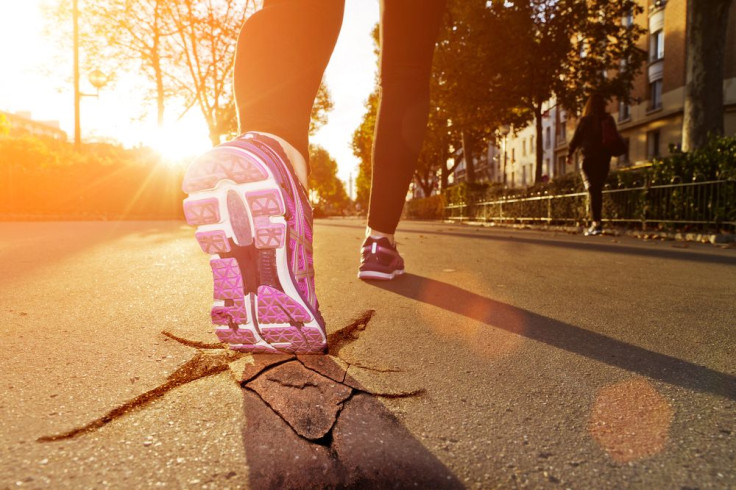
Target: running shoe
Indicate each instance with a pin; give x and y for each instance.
(594, 230)
(379, 260)
(254, 219)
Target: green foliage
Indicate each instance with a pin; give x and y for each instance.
(714, 161)
(47, 179)
(611, 59)
(328, 192)
(363, 149)
(477, 86)
(4, 125)
(432, 207)
(322, 106)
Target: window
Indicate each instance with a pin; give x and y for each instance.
(523, 148)
(656, 46)
(655, 94)
(513, 155)
(561, 163)
(531, 144)
(624, 111)
(652, 144)
(547, 137)
(560, 129)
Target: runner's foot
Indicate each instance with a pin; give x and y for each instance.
(254, 219)
(379, 260)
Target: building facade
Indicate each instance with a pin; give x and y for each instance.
(651, 124)
(21, 123)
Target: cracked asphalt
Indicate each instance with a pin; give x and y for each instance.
(503, 359)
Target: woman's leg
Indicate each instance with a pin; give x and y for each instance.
(281, 56)
(408, 33)
(252, 215)
(594, 178)
(596, 202)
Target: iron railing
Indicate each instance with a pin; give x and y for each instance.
(703, 204)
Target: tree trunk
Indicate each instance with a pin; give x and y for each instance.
(156, 62)
(707, 24)
(426, 184)
(214, 134)
(540, 143)
(468, 158)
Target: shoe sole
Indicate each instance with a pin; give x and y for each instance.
(239, 209)
(378, 276)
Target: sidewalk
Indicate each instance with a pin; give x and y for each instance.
(503, 358)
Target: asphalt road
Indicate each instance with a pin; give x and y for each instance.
(533, 359)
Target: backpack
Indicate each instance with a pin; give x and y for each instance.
(612, 140)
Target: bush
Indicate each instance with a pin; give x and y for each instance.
(714, 206)
(432, 207)
(49, 180)
(715, 161)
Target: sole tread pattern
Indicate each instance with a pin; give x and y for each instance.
(241, 213)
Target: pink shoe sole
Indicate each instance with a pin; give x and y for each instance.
(252, 217)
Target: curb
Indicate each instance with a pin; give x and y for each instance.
(720, 239)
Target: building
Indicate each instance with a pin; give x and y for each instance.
(21, 123)
(651, 125)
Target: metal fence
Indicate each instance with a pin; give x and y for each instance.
(701, 204)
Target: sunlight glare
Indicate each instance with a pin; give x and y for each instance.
(178, 143)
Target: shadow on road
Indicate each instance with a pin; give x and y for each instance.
(563, 336)
(310, 424)
(591, 245)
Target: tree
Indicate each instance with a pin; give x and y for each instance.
(707, 27)
(133, 32)
(326, 190)
(563, 49)
(205, 39)
(434, 153)
(185, 48)
(363, 149)
(322, 106)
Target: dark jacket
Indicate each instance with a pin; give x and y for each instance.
(589, 137)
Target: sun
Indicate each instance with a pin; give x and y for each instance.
(178, 143)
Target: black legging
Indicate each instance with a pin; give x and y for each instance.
(595, 173)
(282, 54)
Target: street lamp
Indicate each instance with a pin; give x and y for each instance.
(96, 78)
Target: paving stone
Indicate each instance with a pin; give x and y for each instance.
(377, 451)
(309, 402)
(330, 366)
(250, 369)
(279, 458)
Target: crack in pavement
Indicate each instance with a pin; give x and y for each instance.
(195, 343)
(308, 421)
(349, 333)
(200, 366)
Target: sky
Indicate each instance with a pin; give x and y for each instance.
(26, 85)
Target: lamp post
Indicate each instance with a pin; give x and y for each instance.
(96, 78)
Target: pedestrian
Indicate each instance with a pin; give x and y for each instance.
(596, 157)
(248, 197)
